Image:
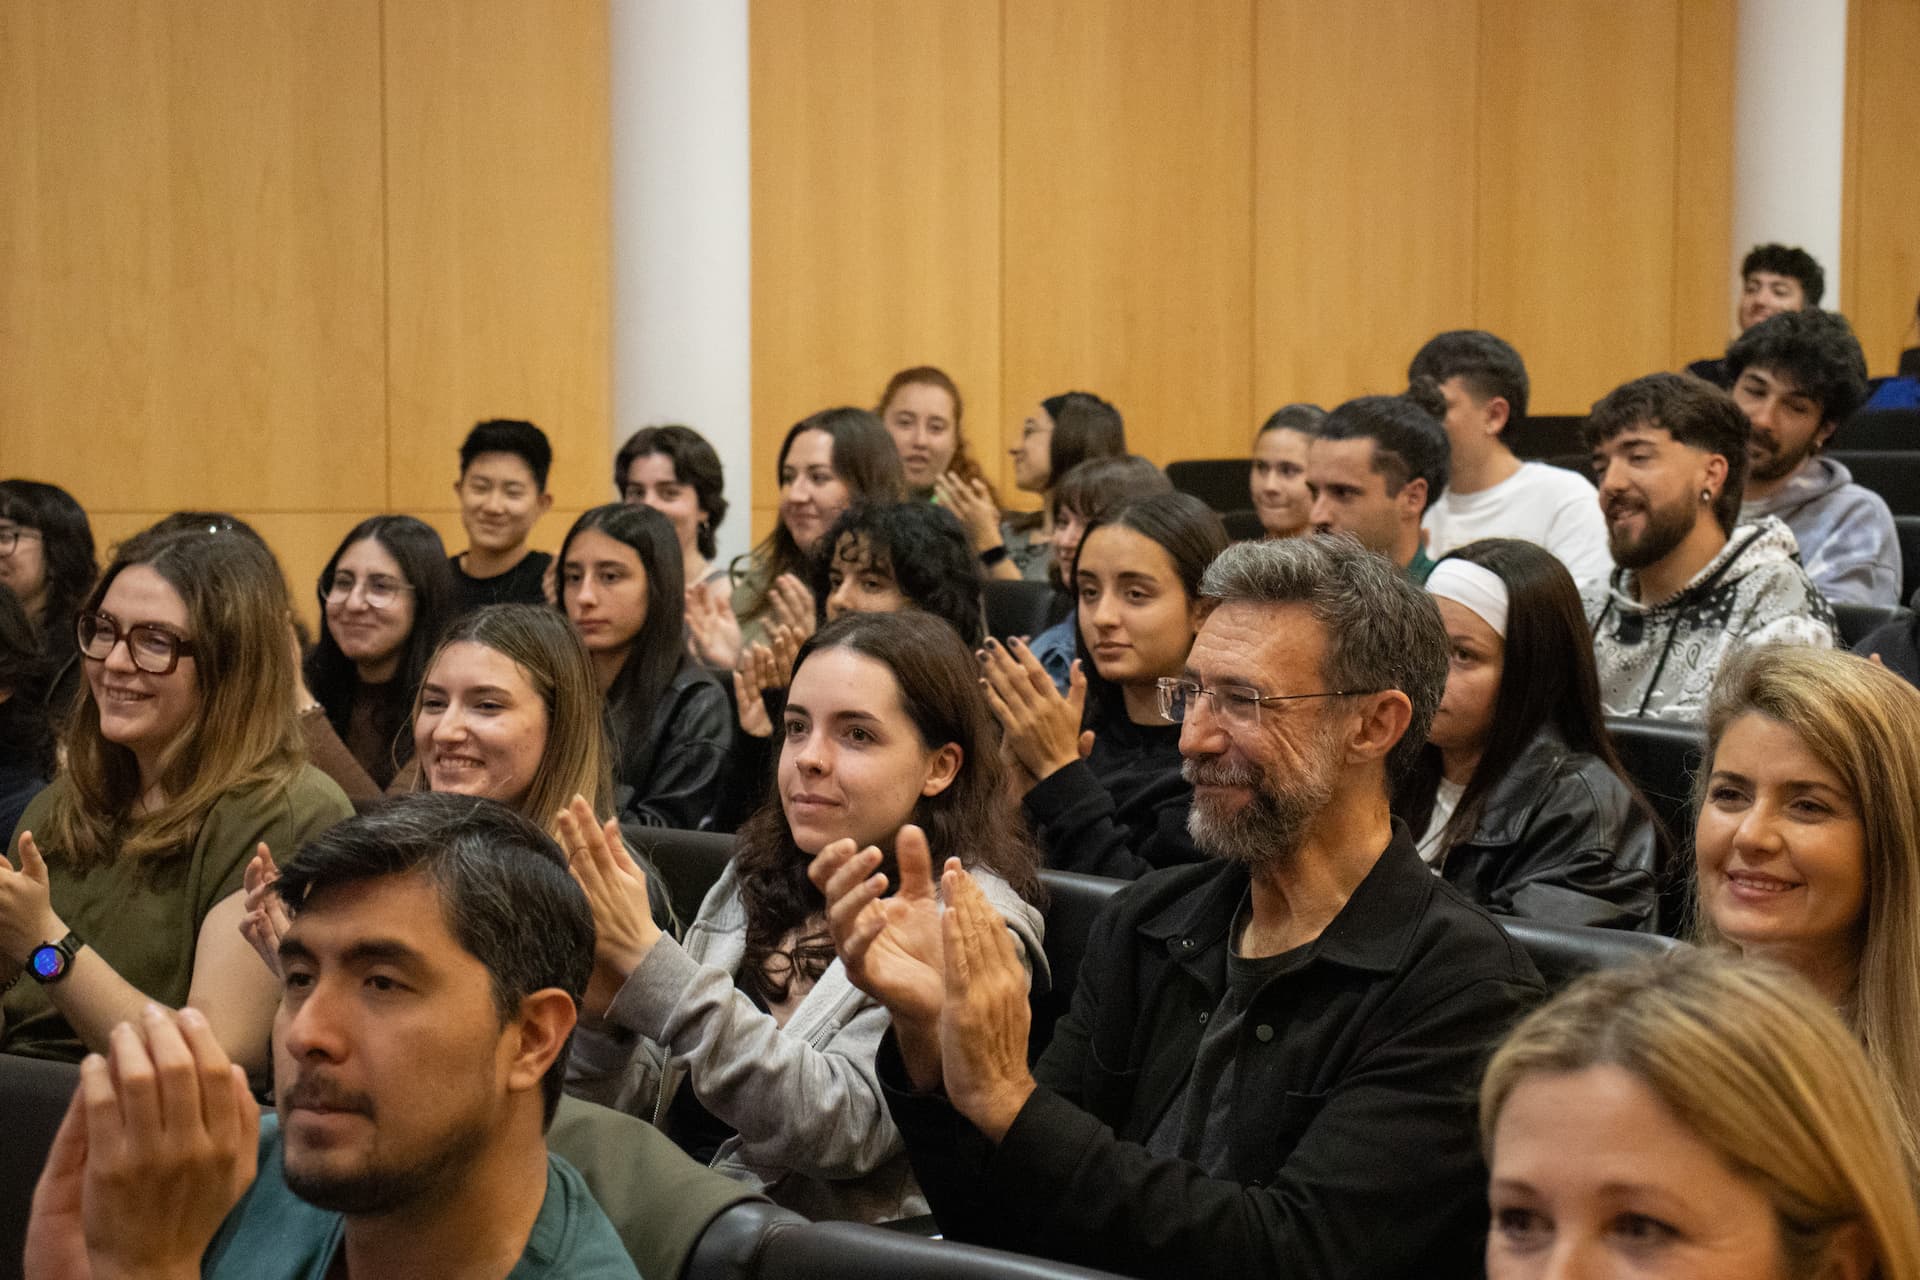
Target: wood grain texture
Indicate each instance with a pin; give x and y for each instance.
(498, 227)
(1365, 193)
(876, 197)
(1703, 287)
(1880, 240)
(190, 250)
(1129, 213)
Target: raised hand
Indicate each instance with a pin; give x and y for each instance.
(984, 1017)
(266, 920)
(26, 904)
(1041, 726)
(756, 673)
(713, 633)
(793, 605)
(972, 504)
(616, 889)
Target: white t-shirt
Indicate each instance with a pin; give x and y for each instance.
(1445, 800)
(1546, 505)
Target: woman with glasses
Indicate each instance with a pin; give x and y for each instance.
(1518, 800)
(1099, 768)
(386, 595)
(46, 560)
(183, 758)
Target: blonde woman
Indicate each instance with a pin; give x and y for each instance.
(1692, 1117)
(182, 757)
(1808, 838)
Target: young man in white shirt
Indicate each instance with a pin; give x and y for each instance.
(1490, 492)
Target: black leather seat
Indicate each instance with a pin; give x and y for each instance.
(1883, 429)
(33, 1100)
(1018, 608)
(689, 861)
(1581, 464)
(851, 1251)
(1908, 530)
(1662, 758)
(1857, 621)
(1562, 952)
(1221, 483)
(1545, 435)
(1244, 526)
(1073, 902)
(1894, 474)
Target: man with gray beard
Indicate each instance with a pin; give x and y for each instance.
(1269, 1064)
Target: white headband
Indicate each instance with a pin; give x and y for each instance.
(1475, 587)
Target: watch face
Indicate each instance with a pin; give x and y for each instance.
(47, 961)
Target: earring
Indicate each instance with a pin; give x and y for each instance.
(1706, 495)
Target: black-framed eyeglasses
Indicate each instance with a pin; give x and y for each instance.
(10, 538)
(153, 649)
(1235, 704)
(377, 590)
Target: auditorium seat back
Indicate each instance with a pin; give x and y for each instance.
(33, 1099)
(689, 861)
(1883, 429)
(852, 1251)
(1221, 483)
(1908, 529)
(1541, 436)
(1073, 902)
(1244, 526)
(1857, 621)
(1019, 608)
(1563, 952)
(1894, 474)
(1662, 758)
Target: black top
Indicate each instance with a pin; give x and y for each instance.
(518, 585)
(1714, 371)
(1354, 1154)
(1122, 811)
(670, 769)
(1898, 644)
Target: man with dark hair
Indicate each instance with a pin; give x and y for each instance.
(1269, 1064)
(436, 955)
(1671, 452)
(503, 492)
(1490, 492)
(1374, 466)
(1797, 376)
(1773, 279)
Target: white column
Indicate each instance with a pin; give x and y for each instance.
(681, 231)
(1789, 129)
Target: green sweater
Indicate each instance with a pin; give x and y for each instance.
(143, 918)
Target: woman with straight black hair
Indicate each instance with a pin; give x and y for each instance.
(46, 560)
(1059, 434)
(385, 596)
(1100, 766)
(1519, 800)
(621, 587)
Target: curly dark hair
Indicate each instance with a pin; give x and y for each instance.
(1814, 350)
(1695, 413)
(1794, 262)
(921, 547)
(26, 727)
(694, 463)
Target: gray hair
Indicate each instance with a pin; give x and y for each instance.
(1383, 632)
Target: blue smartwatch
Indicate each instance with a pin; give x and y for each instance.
(49, 962)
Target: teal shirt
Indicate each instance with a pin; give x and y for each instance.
(272, 1234)
(1419, 567)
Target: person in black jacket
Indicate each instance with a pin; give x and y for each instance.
(1519, 800)
(1101, 765)
(1268, 1065)
(622, 585)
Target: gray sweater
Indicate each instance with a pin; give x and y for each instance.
(811, 1125)
(1845, 532)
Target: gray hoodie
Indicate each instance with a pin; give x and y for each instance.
(1658, 660)
(811, 1125)
(1845, 531)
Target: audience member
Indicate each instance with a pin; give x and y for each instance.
(183, 758)
(1773, 279)
(1689, 588)
(1267, 1064)
(1099, 768)
(503, 493)
(433, 963)
(27, 755)
(669, 720)
(46, 559)
(1490, 492)
(1376, 464)
(1688, 1117)
(1278, 481)
(1896, 646)
(922, 411)
(828, 462)
(886, 557)
(748, 1043)
(384, 598)
(1059, 434)
(1797, 377)
(1090, 492)
(1809, 814)
(1519, 800)
(676, 472)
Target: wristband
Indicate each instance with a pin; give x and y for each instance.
(50, 961)
(993, 555)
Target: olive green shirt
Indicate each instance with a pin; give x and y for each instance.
(143, 916)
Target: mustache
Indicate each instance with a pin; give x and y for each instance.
(323, 1093)
(1218, 773)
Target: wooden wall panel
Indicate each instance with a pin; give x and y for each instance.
(498, 229)
(1703, 286)
(876, 193)
(1575, 255)
(190, 251)
(1363, 219)
(1128, 215)
(1880, 238)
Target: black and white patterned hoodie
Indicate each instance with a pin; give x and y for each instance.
(1658, 660)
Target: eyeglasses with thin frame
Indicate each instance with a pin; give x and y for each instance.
(378, 592)
(153, 649)
(1235, 704)
(10, 538)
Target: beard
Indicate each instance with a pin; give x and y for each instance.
(1269, 827)
(1768, 462)
(1666, 528)
(380, 1182)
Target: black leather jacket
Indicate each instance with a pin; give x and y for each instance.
(677, 780)
(1560, 839)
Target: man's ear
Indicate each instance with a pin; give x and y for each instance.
(1716, 468)
(1382, 722)
(537, 1036)
(1413, 498)
(546, 501)
(1498, 413)
(1824, 432)
(942, 769)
